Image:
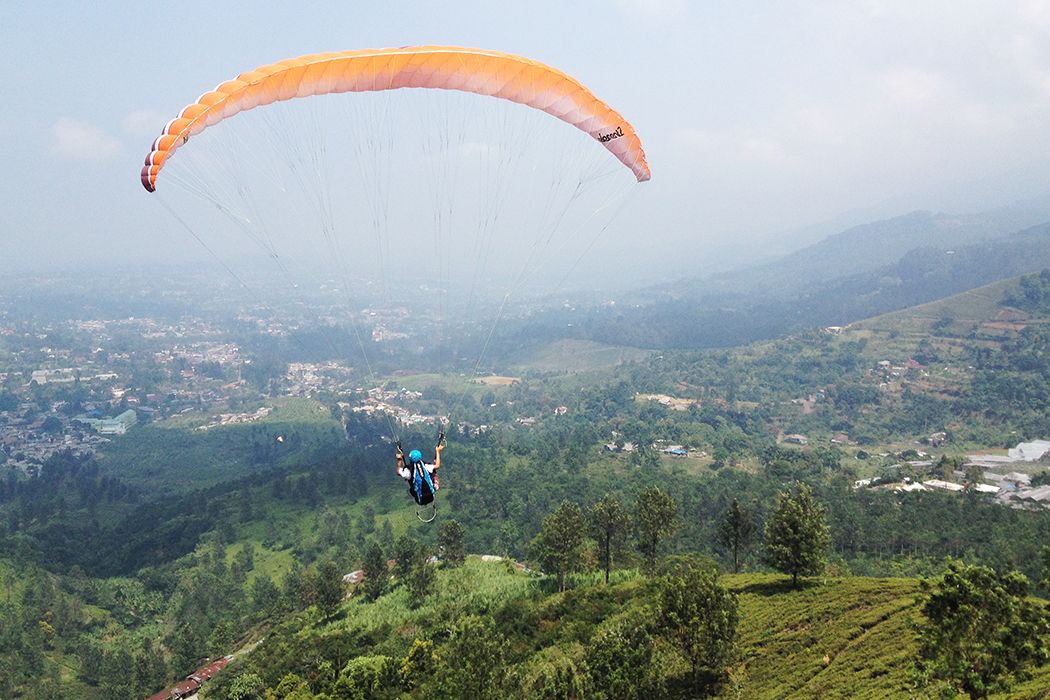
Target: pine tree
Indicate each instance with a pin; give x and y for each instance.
(559, 543)
(655, 520)
(450, 543)
(329, 584)
(375, 571)
(405, 554)
(700, 616)
(736, 532)
(797, 534)
(609, 524)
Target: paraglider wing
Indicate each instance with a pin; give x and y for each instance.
(499, 75)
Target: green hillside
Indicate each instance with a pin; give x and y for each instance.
(849, 637)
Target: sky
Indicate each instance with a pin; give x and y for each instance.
(758, 118)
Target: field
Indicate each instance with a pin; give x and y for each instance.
(950, 325)
(576, 356)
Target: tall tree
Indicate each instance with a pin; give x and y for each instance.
(797, 534)
(420, 578)
(406, 550)
(266, 597)
(559, 544)
(737, 531)
(329, 584)
(292, 587)
(700, 617)
(608, 524)
(981, 630)
(450, 543)
(655, 520)
(375, 571)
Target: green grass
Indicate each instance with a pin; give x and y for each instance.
(859, 624)
(576, 356)
(476, 587)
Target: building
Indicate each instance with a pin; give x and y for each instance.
(1017, 480)
(942, 485)
(111, 426)
(1030, 451)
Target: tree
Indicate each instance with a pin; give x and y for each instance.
(366, 677)
(406, 550)
(609, 524)
(116, 681)
(619, 661)
(736, 531)
(797, 534)
(981, 630)
(329, 588)
(655, 520)
(266, 598)
(90, 663)
(419, 665)
(559, 544)
(420, 578)
(471, 663)
(292, 587)
(51, 425)
(247, 686)
(375, 571)
(700, 616)
(450, 543)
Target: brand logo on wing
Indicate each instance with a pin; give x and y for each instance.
(611, 135)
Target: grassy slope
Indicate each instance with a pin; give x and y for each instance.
(859, 624)
(863, 626)
(575, 356)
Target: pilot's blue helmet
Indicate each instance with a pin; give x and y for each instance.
(415, 456)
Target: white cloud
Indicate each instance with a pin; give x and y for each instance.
(144, 122)
(73, 139)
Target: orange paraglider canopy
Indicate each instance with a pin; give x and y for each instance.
(500, 75)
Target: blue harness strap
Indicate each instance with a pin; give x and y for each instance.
(422, 486)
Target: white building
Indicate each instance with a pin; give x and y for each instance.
(1030, 451)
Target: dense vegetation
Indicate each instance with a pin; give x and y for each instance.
(179, 545)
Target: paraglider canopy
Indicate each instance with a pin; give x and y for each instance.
(493, 73)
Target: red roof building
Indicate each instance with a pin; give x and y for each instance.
(187, 687)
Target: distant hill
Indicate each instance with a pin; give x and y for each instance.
(860, 273)
(863, 248)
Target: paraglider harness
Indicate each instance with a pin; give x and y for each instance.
(420, 484)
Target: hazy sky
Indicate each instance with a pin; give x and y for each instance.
(757, 117)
